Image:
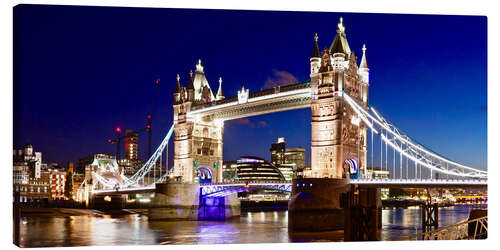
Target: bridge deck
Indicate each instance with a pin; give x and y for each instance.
(373, 183)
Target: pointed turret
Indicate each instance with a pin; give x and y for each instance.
(178, 85)
(363, 64)
(315, 48)
(220, 94)
(340, 44)
(177, 91)
(190, 84)
(199, 68)
(363, 68)
(198, 84)
(316, 56)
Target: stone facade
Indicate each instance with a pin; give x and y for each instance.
(198, 139)
(337, 134)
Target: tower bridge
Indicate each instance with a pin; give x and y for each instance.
(342, 123)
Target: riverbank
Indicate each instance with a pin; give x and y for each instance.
(66, 212)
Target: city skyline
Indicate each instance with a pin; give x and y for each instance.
(112, 73)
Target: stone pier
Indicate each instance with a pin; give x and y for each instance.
(323, 204)
(315, 204)
(177, 201)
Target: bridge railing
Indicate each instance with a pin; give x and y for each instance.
(245, 182)
(465, 230)
(422, 181)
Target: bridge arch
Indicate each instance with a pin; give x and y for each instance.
(205, 174)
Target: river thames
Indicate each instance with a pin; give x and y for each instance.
(251, 227)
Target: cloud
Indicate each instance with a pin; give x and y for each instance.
(280, 78)
(242, 121)
(262, 124)
(247, 122)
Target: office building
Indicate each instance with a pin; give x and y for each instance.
(288, 160)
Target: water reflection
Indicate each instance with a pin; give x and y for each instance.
(399, 222)
(251, 227)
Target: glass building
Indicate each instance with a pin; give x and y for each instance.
(288, 160)
(251, 168)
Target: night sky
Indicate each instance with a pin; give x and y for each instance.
(79, 72)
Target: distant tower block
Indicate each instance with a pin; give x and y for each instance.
(336, 132)
(131, 145)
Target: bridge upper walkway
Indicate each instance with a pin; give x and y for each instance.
(266, 101)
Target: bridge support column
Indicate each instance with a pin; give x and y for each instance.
(177, 201)
(363, 214)
(316, 204)
(108, 202)
(430, 217)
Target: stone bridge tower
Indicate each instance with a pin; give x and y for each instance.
(198, 140)
(337, 133)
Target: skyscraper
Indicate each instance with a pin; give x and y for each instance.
(131, 145)
(287, 160)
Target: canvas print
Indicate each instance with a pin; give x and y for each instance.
(141, 126)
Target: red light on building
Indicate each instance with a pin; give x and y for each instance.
(148, 126)
(109, 140)
(158, 81)
(118, 130)
(149, 116)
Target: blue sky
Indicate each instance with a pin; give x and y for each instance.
(81, 71)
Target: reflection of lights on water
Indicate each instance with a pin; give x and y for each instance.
(262, 215)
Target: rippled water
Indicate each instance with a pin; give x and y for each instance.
(252, 227)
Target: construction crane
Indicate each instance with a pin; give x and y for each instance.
(148, 128)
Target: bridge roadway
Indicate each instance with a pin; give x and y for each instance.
(218, 189)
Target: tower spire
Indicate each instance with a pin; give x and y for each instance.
(220, 93)
(199, 68)
(340, 25)
(363, 64)
(178, 84)
(315, 48)
(190, 84)
(340, 44)
(363, 70)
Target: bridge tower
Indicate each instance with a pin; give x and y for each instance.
(198, 140)
(321, 200)
(337, 134)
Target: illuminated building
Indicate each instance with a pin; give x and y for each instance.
(131, 145)
(377, 173)
(229, 171)
(250, 168)
(83, 162)
(287, 160)
(57, 180)
(29, 180)
(27, 157)
(130, 166)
